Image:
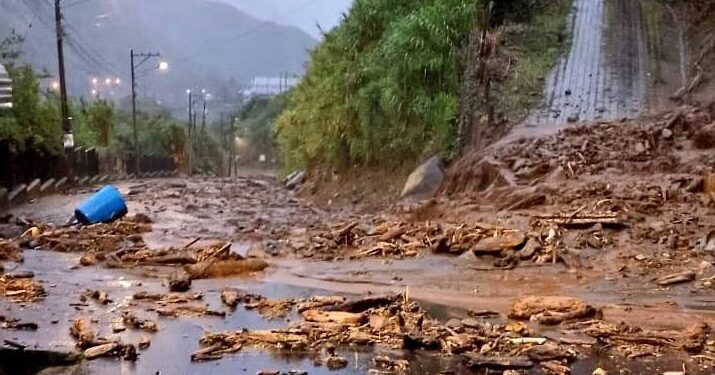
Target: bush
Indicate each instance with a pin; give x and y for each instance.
(381, 88)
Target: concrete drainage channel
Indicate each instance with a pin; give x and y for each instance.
(603, 76)
(38, 188)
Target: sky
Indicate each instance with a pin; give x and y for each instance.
(300, 13)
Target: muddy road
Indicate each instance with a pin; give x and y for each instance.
(602, 76)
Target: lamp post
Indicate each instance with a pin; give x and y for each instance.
(162, 66)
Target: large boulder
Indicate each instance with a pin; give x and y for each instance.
(425, 181)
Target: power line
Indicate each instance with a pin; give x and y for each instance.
(83, 50)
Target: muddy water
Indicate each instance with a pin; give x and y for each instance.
(602, 77)
(172, 346)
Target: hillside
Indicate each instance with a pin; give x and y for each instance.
(207, 44)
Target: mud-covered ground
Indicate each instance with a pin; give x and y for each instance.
(615, 219)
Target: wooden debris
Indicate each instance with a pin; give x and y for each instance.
(477, 361)
(21, 289)
(677, 278)
(339, 317)
(551, 310)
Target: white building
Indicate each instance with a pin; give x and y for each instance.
(270, 85)
(5, 89)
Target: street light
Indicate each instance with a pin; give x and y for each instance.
(146, 57)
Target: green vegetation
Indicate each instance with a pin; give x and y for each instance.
(256, 121)
(384, 86)
(381, 88)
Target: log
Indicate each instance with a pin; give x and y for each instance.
(364, 304)
(676, 278)
(477, 361)
(340, 317)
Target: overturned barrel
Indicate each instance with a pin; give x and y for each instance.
(104, 206)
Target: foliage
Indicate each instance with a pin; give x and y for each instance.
(256, 120)
(382, 87)
(34, 118)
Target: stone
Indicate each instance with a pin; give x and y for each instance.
(295, 179)
(666, 133)
(425, 181)
(494, 245)
(180, 281)
(640, 148)
(640, 257)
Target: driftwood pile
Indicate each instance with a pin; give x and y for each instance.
(21, 288)
(96, 347)
(392, 321)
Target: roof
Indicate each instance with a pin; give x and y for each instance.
(5, 88)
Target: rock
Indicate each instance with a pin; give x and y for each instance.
(704, 137)
(294, 179)
(705, 266)
(640, 148)
(640, 257)
(666, 133)
(599, 371)
(180, 281)
(425, 181)
(336, 362)
(101, 350)
(230, 297)
(494, 245)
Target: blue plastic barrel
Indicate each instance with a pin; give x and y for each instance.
(104, 206)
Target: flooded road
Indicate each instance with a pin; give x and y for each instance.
(259, 217)
(602, 76)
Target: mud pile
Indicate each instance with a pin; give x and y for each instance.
(639, 146)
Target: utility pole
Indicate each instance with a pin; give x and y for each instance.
(68, 140)
(203, 118)
(189, 141)
(223, 133)
(146, 57)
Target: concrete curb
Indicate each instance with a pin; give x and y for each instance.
(37, 188)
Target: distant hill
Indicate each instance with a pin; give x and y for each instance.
(207, 44)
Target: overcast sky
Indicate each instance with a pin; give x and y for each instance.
(300, 13)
